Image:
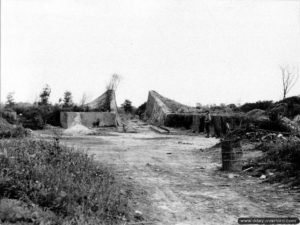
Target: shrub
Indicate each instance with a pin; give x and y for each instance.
(283, 158)
(263, 105)
(141, 110)
(67, 182)
(8, 130)
(32, 117)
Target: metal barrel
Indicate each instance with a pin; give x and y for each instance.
(232, 155)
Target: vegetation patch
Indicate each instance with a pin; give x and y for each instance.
(280, 162)
(68, 183)
(8, 130)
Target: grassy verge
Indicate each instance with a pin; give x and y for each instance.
(66, 182)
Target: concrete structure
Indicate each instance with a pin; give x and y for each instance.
(105, 113)
(106, 103)
(156, 110)
(162, 111)
(88, 119)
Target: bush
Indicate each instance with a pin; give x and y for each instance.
(141, 110)
(32, 118)
(8, 130)
(36, 117)
(16, 132)
(284, 158)
(263, 105)
(67, 182)
(9, 115)
(289, 107)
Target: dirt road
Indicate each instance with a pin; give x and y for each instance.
(182, 179)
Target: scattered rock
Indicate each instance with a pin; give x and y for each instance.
(263, 177)
(201, 168)
(231, 176)
(138, 215)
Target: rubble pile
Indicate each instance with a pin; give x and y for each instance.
(260, 135)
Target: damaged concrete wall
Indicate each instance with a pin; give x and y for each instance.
(158, 113)
(88, 119)
(106, 103)
(156, 110)
(218, 124)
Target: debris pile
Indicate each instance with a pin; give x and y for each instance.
(260, 135)
(78, 128)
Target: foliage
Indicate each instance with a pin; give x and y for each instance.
(68, 101)
(233, 107)
(127, 106)
(9, 115)
(69, 183)
(44, 96)
(10, 101)
(9, 131)
(36, 117)
(284, 157)
(263, 105)
(141, 110)
(289, 107)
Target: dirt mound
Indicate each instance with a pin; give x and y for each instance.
(258, 115)
(78, 129)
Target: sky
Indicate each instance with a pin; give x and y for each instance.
(193, 51)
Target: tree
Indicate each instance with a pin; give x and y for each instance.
(44, 96)
(141, 110)
(68, 101)
(10, 99)
(127, 106)
(290, 77)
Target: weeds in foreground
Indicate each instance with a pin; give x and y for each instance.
(57, 178)
(284, 159)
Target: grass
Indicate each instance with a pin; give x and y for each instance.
(67, 182)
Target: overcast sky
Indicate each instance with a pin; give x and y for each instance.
(214, 51)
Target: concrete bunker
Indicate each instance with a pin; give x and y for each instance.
(103, 112)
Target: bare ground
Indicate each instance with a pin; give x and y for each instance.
(182, 180)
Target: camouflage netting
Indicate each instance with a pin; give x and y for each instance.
(156, 110)
(162, 111)
(106, 103)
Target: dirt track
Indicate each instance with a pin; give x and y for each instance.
(182, 180)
